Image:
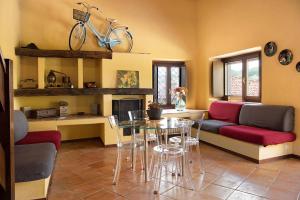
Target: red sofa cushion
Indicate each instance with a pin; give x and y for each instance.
(255, 135)
(42, 137)
(225, 111)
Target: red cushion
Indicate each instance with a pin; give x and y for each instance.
(257, 135)
(225, 111)
(42, 137)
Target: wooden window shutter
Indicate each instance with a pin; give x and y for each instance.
(183, 76)
(155, 86)
(218, 79)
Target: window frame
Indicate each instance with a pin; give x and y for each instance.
(182, 79)
(243, 58)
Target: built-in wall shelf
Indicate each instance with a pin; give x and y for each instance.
(82, 91)
(68, 117)
(63, 53)
(82, 67)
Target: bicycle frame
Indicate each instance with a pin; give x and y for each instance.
(103, 39)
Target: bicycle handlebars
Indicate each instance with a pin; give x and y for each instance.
(88, 7)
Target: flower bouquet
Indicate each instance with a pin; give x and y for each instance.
(180, 94)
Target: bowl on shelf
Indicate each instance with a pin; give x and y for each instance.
(90, 85)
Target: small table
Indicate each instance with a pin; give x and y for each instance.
(157, 125)
(186, 113)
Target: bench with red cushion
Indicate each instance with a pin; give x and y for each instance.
(35, 152)
(22, 136)
(42, 137)
(263, 124)
(256, 135)
(221, 113)
(225, 111)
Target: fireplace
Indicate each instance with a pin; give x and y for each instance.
(121, 107)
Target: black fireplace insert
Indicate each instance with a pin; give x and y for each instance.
(121, 107)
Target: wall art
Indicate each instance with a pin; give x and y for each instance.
(127, 79)
(270, 49)
(285, 57)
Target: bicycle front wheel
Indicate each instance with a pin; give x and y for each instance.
(120, 40)
(77, 36)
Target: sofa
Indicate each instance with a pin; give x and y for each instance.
(255, 131)
(35, 154)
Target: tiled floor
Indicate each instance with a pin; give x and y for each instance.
(84, 172)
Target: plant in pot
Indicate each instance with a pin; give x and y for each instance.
(154, 111)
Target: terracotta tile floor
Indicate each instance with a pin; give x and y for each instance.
(84, 172)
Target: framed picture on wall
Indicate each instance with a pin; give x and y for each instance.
(127, 79)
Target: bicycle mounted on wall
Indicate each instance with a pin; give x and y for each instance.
(116, 38)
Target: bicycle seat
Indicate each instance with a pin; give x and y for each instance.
(111, 20)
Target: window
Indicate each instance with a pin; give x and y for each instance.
(243, 77)
(166, 76)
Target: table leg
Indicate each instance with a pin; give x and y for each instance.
(183, 156)
(131, 154)
(146, 156)
(183, 165)
(132, 149)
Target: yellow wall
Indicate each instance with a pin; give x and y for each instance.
(123, 61)
(166, 29)
(10, 31)
(228, 26)
(9, 38)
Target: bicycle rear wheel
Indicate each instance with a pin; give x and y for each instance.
(120, 40)
(77, 36)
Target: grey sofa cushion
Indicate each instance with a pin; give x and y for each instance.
(34, 161)
(20, 125)
(212, 125)
(274, 117)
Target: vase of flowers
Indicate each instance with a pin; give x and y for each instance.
(154, 111)
(179, 94)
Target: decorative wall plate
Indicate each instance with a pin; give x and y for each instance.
(298, 67)
(270, 49)
(285, 57)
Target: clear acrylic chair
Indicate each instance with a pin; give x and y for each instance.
(121, 146)
(166, 155)
(192, 140)
(135, 116)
